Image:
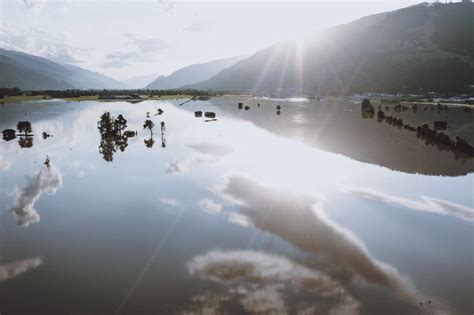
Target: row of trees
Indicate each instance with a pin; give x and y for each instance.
(9, 92)
(108, 93)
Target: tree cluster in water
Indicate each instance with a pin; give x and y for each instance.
(459, 146)
(25, 130)
(112, 135)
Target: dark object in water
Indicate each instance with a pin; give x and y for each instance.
(47, 162)
(247, 107)
(400, 108)
(210, 115)
(258, 104)
(367, 110)
(209, 120)
(198, 114)
(45, 135)
(149, 142)
(241, 105)
(380, 116)
(129, 133)
(278, 112)
(9, 134)
(203, 98)
(440, 125)
(159, 111)
(365, 102)
(278, 107)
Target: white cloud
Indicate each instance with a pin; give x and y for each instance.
(135, 50)
(426, 204)
(34, 41)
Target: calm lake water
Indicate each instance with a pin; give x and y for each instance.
(315, 210)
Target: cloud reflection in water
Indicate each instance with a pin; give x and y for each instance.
(296, 219)
(426, 204)
(45, 181)
(258, 281)
(16, 268)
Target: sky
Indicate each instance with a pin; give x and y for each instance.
(129, 39)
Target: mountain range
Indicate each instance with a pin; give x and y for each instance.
(28, 72)
(192, 74)
(421, 48)
(426, 47)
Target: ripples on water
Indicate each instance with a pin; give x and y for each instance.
(305, 208)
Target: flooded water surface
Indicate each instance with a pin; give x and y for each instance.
(297, 207)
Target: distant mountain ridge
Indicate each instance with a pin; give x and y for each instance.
(29, 72)
(426, 47)
(192, 74)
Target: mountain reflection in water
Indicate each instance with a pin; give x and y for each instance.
(278, 208)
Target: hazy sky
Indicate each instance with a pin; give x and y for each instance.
(130, 38)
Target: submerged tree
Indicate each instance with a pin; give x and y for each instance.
(366, 109)
(112, 136)
(106, 124)
(120, 124)
(24, 127)
(149, 125)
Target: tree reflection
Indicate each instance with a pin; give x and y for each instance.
(112, 136)
(367, 111)
(25, 142)
(163, 139)
(149, 142)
